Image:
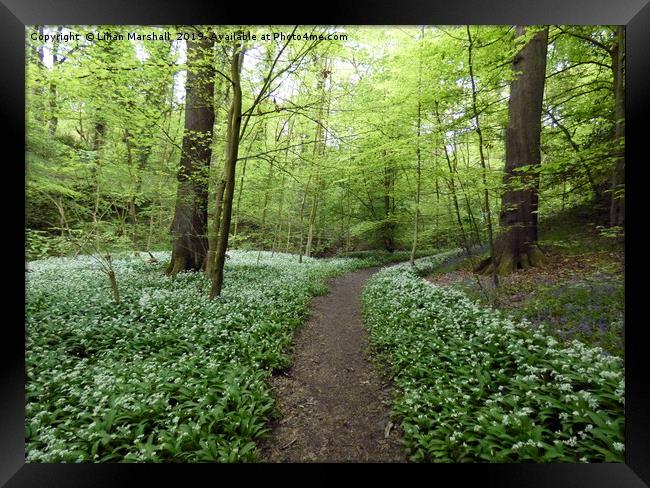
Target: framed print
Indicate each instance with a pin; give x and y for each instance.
(387, 233)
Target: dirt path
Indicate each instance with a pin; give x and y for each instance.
(333, 403)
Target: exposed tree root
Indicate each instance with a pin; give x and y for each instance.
(507, 262)
(177, 264)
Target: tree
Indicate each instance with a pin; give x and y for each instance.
(475, 113)
(189, 227)
(617, 205)
(516, 246)
(392, 143)
(232, 150)
(237, 123)
(418, 153)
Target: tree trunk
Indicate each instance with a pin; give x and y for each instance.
(319, 150)
(232, 152)
(312, 216)
(288, 232)
(218, 205)
(486, 194)
(214, 235)
(279, 224)
(265, 207)
(389, 204)
(516, 247)
(239, 194)
(278, 228)
(114, 287)
(189, 227)
(418, 176)
(98, 143)
(56, 60)
(302, 217)
(617, 205)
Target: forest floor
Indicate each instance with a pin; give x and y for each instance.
(333, 403)
(578, 291)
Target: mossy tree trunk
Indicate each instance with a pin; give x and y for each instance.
(213, 234)
(189, 227)
(232, 154)
(516, 247)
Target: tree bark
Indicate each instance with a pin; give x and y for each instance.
(265, 208)
(218, 206)
(114, 287)
(516, 247)
(389, 207)
(99, 138)
(302, 217)
(189, 227)
(319, 150)
(214, 235)
(312, 216)
(279, 218)
(288, 232)
(239, 194)
(278, 228)
(232, 152)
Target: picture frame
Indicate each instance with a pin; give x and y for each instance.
(635, 14)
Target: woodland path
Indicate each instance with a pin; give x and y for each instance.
(333, 404)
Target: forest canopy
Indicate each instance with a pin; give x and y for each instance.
(312, 140)
(445, 204)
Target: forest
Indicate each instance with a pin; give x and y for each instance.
(320, 243)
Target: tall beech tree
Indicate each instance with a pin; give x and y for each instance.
(189, 227)
(516, 246)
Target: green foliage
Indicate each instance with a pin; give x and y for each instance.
(166, 375)
(474, 385)
(331, 151)
(344, 143)
(591, 309)
(614, 232)
(40, 245)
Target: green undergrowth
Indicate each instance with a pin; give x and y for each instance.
(167, 375)
(590, 309)
(578, 292)
(475, 385)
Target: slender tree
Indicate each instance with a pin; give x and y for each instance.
(232, 151)
(389, 223)
(189, 227)
(479, 132)
(418, 155)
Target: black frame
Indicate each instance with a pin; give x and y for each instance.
(635, 14)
